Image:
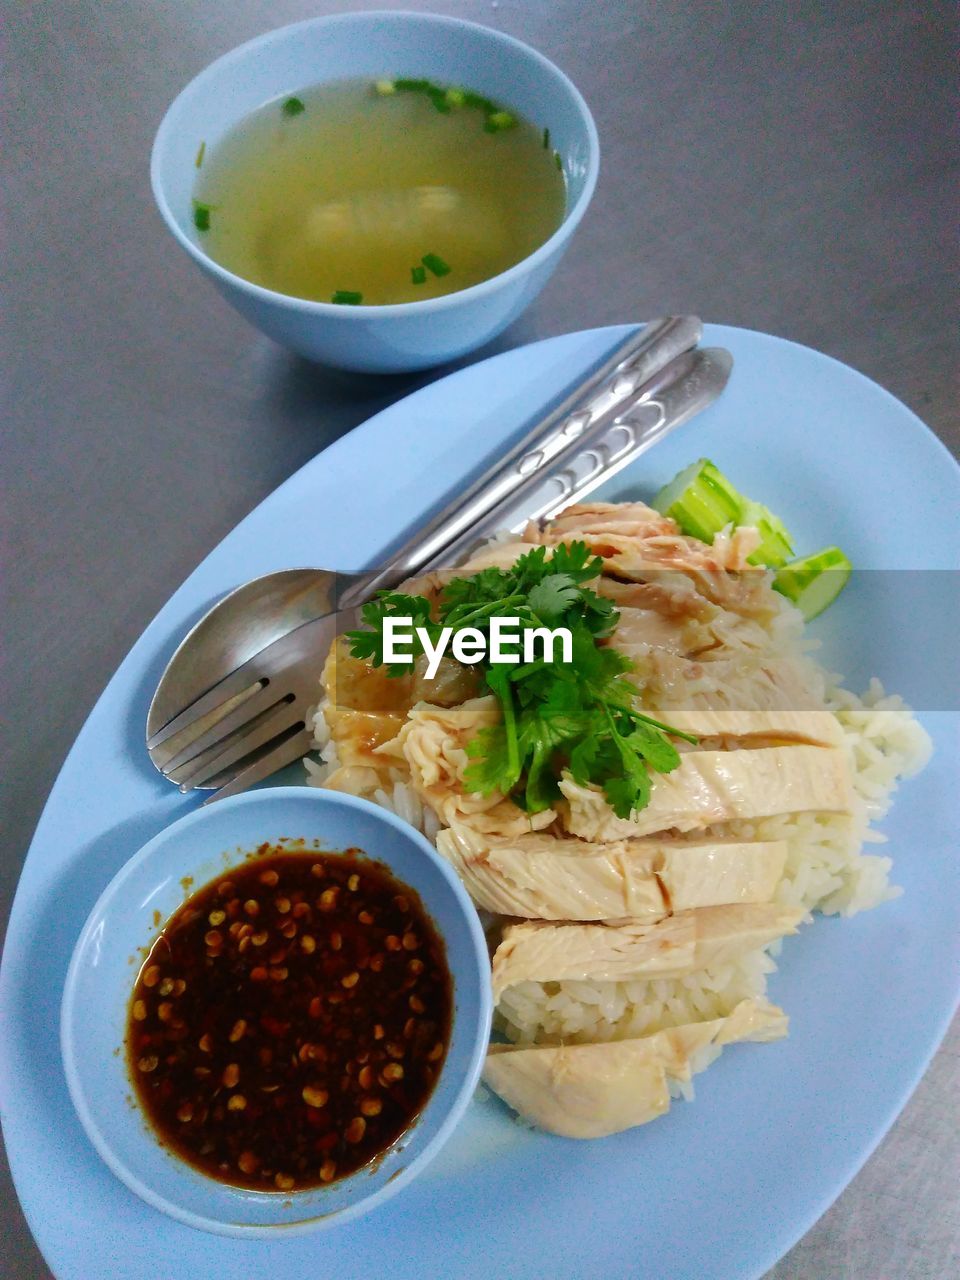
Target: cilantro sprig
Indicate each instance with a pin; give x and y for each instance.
(579, 716)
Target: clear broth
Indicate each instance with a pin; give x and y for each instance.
(350, 194)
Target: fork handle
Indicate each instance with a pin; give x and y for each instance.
(543, 451)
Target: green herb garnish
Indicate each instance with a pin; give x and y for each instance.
(201, 215)
(439, 99)
(433, 262)
(347, 298)
(418, 275)
(558, 161)
(579, 717)
(292, 107)
(478, 100)
(201, 151)
(499, 122)
(546, 139)
(409, 85)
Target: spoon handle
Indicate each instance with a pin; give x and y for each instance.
(545, 451)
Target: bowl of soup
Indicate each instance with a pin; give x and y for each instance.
(276, 1013)
(377, 191)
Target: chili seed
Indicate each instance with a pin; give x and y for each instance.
(401, 903)
(376, 963)
(225, 888)
(231, 1074)
(216, 917)
(328, 899)
(378, 1032)
(315, 1097)
(365, 1078)
(436, 1052)
(279, 973)
(391, 1072)
(206, 1043)
(355, 1129)
(166, 987)
(259, 939)
(308, 944)
(258, 974)
(300, 910)
(236, 1102)
(395, 1050)
(185, 1113)
(164, 1010)
(350, 980)
(415, 966)
(416, 1004)
(328, 1170)
(149, 1063)
(151, 976)
(336, 940)
(283, 905)
(316, 1007)
(289, 929)
(179, 987)
(244, 944)
(392, 942)
(269, 878)
(353, 884)
(213, 939)
(317, 870)
(284, 1181)
(239, 1027)
(140, 1010)
(370, 1106)
(248, 1162)
(365, 917)
(410, 941)
(252, 907)
(409, 1027)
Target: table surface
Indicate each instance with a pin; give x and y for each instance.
(784, 167)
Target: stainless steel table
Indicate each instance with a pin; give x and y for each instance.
(782, 166)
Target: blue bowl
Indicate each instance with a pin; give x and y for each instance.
(203, 845)
(411, 335)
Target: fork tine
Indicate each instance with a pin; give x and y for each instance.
(186, 746)
(286, 753)
(240, 684)
(222, 756)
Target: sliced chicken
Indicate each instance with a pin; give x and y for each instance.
(432, 745)
(592, 1090)
(539, 952)
(719, 786)
(359, 733)
(720, 872)
(761, 728)
(547, 877)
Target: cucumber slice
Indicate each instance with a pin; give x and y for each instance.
(775, 546)
(813, 582)
(701, 500)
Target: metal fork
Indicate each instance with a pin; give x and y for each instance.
(229, 734)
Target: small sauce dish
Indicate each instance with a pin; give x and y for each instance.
(125, 923)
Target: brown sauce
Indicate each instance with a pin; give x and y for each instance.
(290, 1020)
